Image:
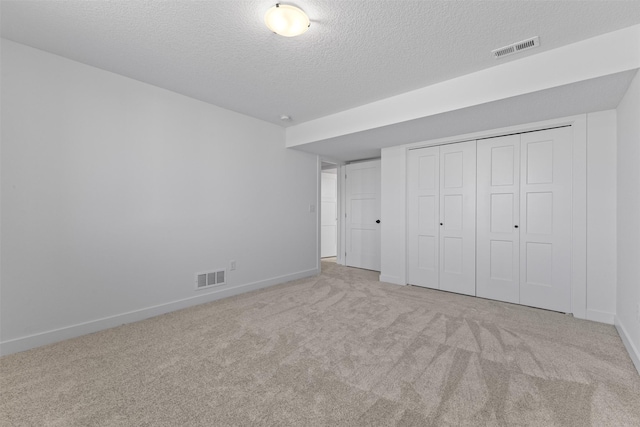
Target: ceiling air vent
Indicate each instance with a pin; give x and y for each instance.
(516, 47)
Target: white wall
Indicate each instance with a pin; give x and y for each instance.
(601, 211)
(628, 290)
(393, 203)
(601, 216)
(115, 192)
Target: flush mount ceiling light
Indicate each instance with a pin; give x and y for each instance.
(286, 20)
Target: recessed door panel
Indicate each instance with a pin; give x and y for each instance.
(329, 210)
(539, 213)
(328, 236)
(427, 171)
(502, 265)
(539, 264)
(423, 217)
(453, 255)
(457, 217)
(453, 168)
(503, 165)
(539, 162)
(427, 253)
(498, 244)
(453, 212)
(502, 207)
(363, 246)
(427, 215)
(364, 210)
(364, 177)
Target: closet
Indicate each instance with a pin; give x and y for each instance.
(495, 219)
(442, 210)
(524, 219)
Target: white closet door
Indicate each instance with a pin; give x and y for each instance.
(458, 218)
(498, 219)
(545, 210)
(423, 194)
(363, 215)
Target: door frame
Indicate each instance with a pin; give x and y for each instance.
(342, 211)
(322, 168)
(340, 208)
(579, 197)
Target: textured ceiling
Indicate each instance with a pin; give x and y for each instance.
(354, 53)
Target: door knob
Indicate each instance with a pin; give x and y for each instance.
(377, 221)
(515, 226)
(441, 224)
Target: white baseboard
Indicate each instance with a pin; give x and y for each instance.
(391, 279)
(631, 348)
(601, 316)
(55, 335)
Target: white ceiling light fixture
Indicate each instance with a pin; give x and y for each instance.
(287, 20)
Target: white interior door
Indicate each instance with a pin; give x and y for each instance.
(329, 214)
(545, 210)
(458, 218)
(423, 200)
(363, 215)
(498, 219)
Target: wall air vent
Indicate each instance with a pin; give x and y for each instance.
(516, 47)
(211, 278)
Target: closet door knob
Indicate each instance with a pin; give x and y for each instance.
(515, 226)
(377, 221)
(441, 224)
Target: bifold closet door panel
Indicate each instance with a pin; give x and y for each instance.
(458, 217)
(423, 192)
(545, 211)
(498, 219)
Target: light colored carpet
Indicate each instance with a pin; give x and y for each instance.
(337, 349)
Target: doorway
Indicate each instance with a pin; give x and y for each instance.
(349, 218)
(329, 210)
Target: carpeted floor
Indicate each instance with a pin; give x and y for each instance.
(337, 349)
